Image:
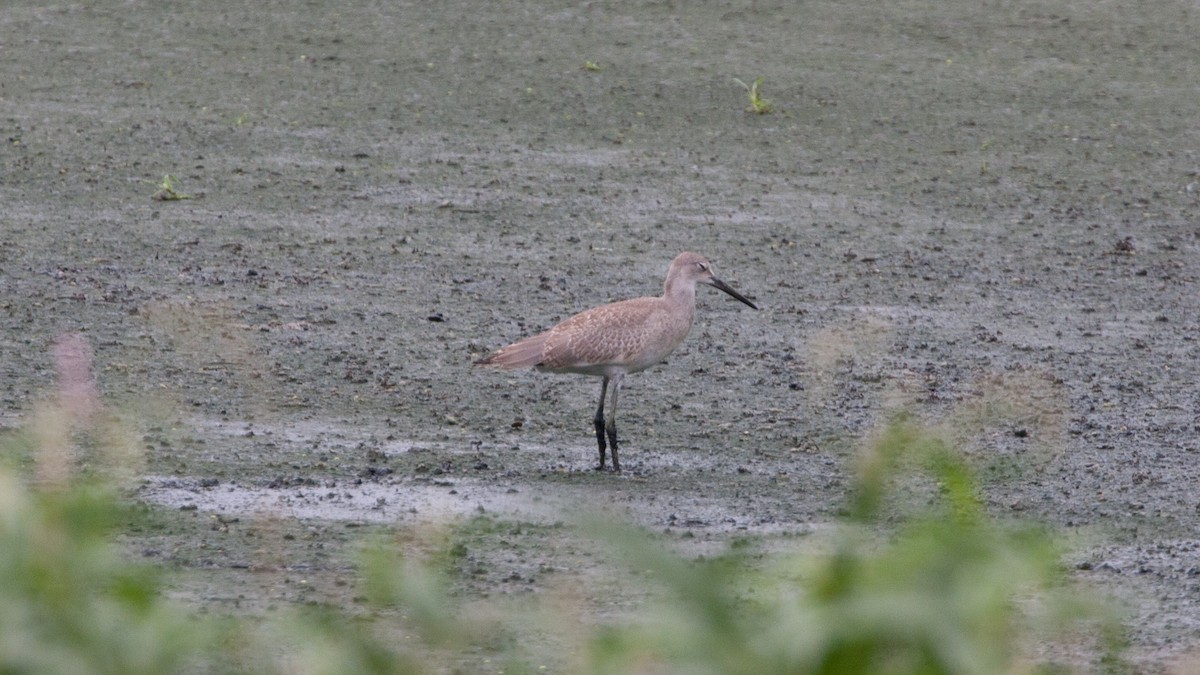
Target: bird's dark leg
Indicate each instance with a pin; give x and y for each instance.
(612, 420)
(598, 421)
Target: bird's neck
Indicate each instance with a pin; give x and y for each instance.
(680, 294)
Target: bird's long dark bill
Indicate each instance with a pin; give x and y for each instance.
(725, 287)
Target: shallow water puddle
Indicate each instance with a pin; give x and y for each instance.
(383, 499)
(553, 484)
(367, 502)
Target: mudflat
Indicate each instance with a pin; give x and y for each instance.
(984, 215)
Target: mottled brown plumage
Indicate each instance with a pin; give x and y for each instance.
(619, 338)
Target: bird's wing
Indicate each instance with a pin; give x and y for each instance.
(609, 334)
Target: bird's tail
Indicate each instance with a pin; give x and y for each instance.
(524, 354)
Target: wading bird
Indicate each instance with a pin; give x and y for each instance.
(618, 338)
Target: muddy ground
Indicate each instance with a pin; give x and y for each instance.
(985, 214)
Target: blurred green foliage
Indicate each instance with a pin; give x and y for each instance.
(941, 588)
(950, 591)
(68, 603)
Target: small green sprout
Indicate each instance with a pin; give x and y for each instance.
(167, 190)
(592, 66)
(758, 104)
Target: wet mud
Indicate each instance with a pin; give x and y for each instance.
(985, 216)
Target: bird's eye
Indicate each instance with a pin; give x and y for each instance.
(703, 267)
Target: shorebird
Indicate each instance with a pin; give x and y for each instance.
(616, 339)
